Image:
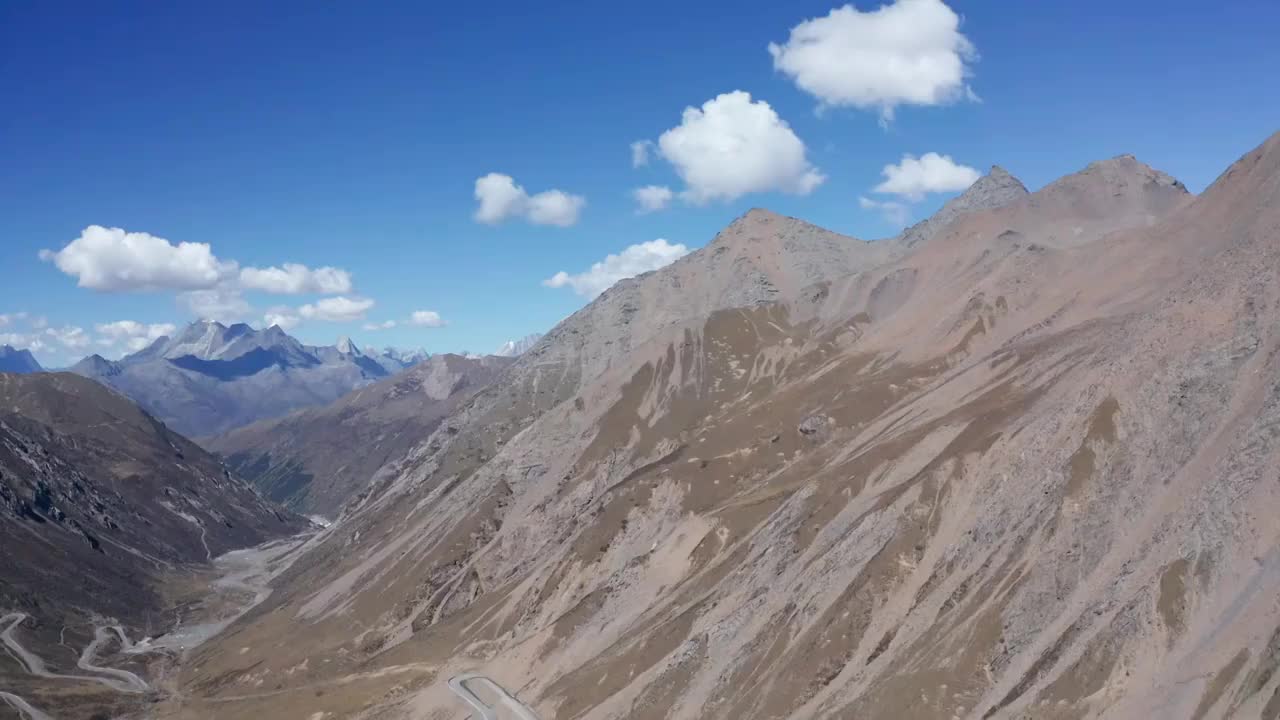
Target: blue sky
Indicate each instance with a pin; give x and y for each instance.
(351, 136)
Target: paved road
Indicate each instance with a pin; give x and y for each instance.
(23, 707)
(101, 635)
(118, 680)
(458, 684)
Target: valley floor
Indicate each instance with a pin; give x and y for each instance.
(205, 602)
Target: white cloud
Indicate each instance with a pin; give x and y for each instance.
(640, 152)
(222, 304)
(69, 337)
(21, 341)
(132, 334)
(113, 260)
(895, 213)
(337, 309)
(426, 318)
(385, 325)
(652, 198)
(732, 146)
(283, 317)
(502, 199)
(28, 339)
(295, 279)
(554, 207)
(634, 260)
(914, 177)
(910, 52)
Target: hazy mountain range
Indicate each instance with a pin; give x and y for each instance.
(210, 377)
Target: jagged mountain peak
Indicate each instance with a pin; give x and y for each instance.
(1124, 170)
(347, 347)
(1116, 190)
(757, 223)
(13, 360)
(514, 348)
(996, 189)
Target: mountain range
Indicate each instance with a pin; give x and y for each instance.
(1018, 461)
(211, 378)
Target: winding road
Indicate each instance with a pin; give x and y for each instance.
(118, 680)
(23, 707)
(458, 684)
(246, 575)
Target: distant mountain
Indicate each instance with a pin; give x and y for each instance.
(516, 348)
(314, 459)
(13, 360)
(98, 500)
(396, 357)
(211, 378)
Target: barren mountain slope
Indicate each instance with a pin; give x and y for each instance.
(315, 459)
(97, 500)
(1025, 468)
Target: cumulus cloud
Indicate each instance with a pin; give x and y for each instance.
(69, 337)
(133, 335)
(281, 316)
(554, 207)
(732, 146)
(426, 318)
(337, 309)
(652, 198)
(895, 213)
(385, 325)
(295, 279)
(910, 52)
(22, 341)
(634, 260)
(914, 177)
(222, 304)
(640, 152)
(114, 260)
(501, 199)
